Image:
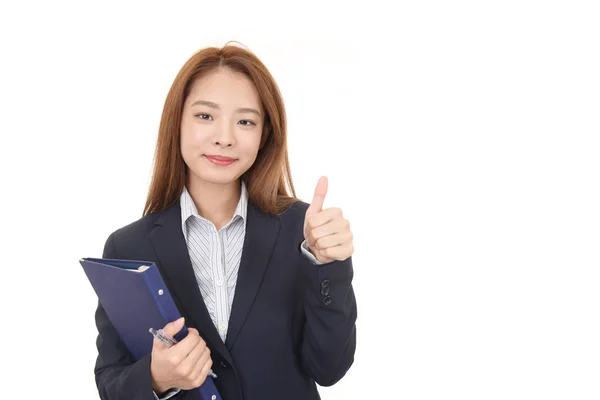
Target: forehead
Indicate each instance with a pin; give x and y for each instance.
(225, 87)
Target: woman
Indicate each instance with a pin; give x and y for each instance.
(262, 279)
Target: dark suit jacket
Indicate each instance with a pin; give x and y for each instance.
(292, 322)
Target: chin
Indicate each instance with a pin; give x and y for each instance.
(218, 178)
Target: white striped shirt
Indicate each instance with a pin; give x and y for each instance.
(215, 255)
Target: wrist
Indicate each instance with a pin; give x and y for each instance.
(160, 389)
(158, 386)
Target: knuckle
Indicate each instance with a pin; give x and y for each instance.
(180, 370)
(203, 357)
(309, 235)
(202, 349)
(319, 244)
(174, 359)
(189, 371)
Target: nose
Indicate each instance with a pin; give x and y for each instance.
(224, 135)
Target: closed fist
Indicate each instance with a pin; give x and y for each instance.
(184, 365)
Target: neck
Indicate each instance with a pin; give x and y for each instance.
(215, 202)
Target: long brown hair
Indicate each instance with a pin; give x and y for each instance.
(269, 178)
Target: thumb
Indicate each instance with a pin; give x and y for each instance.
(172, 328)
(319, 198)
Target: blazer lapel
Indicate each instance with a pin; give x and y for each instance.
(259, 241)
(178, 273)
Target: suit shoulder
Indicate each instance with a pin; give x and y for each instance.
(134, 230)
(296, 210)
(293, 217)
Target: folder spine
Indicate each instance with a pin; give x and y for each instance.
(162, 298)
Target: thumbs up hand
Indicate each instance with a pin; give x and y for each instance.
(327, 232)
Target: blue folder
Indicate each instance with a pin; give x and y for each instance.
(136, 301)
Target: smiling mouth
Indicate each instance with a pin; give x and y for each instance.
(220, 160)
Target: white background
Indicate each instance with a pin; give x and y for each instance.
(461, 139)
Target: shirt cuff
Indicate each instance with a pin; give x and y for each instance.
(167, 395)
(307, 253)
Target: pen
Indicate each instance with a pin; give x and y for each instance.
(170, 341)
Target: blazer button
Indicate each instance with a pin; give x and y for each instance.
(325, 290)
(325, 283)
(327, 300)
(224, 364)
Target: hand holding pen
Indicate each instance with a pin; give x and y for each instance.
(184, 365)
(171, 341)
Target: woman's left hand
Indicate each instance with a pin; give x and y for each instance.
(327, 232)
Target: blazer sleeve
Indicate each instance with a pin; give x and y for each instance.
(329, 339)
(118, 377)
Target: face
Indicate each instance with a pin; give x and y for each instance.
(221, 127)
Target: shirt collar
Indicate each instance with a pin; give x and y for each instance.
(188, 208)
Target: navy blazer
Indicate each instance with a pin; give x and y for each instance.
(292, 322)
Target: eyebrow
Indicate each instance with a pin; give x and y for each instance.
(216, 106)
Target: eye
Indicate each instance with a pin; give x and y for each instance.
(247, 123)
(205, 117)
